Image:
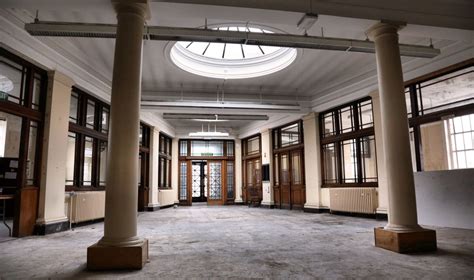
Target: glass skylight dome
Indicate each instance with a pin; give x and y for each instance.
(231, 61)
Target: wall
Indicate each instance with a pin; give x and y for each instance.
(445, 198)
(435, 154)
(267, 190)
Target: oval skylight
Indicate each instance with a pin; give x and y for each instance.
(231, 61)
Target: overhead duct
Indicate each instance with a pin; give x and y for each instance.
(88, 30)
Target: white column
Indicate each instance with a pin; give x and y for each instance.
(153, 202)
(53, 166)
(120, 225)
(238, 171)
(267, 189)
(312, 161)
(174, 169)
(402, 214)
(381, 177)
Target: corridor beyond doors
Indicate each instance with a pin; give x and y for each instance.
(199, 183)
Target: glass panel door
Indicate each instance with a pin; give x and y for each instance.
(215, 183)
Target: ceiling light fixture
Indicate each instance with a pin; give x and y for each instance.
(307, 21)
(208, 133)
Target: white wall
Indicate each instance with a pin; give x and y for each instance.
(445, 198)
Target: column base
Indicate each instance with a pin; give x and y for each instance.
(114, 258)
(423, 240)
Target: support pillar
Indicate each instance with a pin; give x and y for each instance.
(153, 202)
(238, 172)
(312, 163)
(402, 233)
(51, 215)
(267, 157)
(120, 247)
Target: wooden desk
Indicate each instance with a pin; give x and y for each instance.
(4, 198)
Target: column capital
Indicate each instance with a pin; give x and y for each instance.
(139, 7)
(61, 77)
(384, 27)
(310, 116)
(374, 94)
(266, 130)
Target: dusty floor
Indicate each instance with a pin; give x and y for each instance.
(239, 242)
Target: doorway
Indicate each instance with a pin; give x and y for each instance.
(199, 181)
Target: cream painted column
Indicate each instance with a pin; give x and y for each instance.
(120, 225)
(402, 214)
(175, 169)
(381, 177)
(312, 163)
(153, 203)
(267, 189)
(238, 171)
(53, 166)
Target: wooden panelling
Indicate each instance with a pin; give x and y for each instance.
(26, 206)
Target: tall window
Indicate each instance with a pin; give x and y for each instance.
(86, 155)
(440, 108)
(164, 162)
(348, 145)
(23, 89)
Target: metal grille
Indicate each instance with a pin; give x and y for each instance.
(215, 186)
(196, 180)
(183, 181)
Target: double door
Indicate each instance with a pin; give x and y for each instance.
(290, 192)
(207, 182)
(253, 181)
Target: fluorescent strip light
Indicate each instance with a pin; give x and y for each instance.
(307, 21)
(209, 134)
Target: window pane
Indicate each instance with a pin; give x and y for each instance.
(457, 135)
(435, 146)
(346, 120)
(253, 145)
(88, 159)
(330, 166)
(36, 94)
(276, 170)
(103, 163)
(230, 179)
(290, 135)
(183, 181)
(90, 117)
(198, 148)
(73, 107)
(328, 124)
(30, 161)
(408, 101)
(365, 114)
(168, 175)
(448, 91)
(105, 120)
(216, 148)
(369, 159)
(183, 148)
(230, 148)
(12, 80)
(412, 149)
(296, 168)
(10, 135)
(349, 161)
(285, 176)
(161, 179)
(70, 158)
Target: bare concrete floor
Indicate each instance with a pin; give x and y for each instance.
(239, 242)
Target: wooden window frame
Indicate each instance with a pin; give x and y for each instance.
(337, 137)
(82, 131)
(164, 154)
(418, 117)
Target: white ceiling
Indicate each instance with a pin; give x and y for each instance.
(315, 75)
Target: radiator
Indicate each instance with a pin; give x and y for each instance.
(86, 206)
(355, 200)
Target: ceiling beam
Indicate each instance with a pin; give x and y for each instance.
(63, 29)
(222, 117)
